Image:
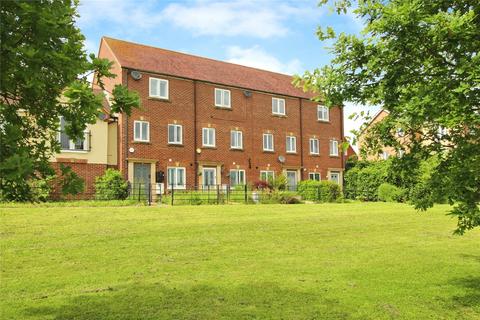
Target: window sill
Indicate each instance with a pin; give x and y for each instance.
(209, 147)
(279, 115)
(140, 142)
(323, 121)
(292, 153)
(160, 99)
(224, 108)
(175, 144)
(73, 151)
(333, 156)
(236, 149)
(268, 151)
(314, 155)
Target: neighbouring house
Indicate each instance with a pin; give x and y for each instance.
(207, 122)
(386, 152)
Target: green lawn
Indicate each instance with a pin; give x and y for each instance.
(332, 261)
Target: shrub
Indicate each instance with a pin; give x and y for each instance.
(363, 180)
(280, 196)
(41, 189)
(320, 191)
(279, 182)
(308, 189)
(389, 193)
(111, 186)
(329, 191)
(261, 185)
(70, 182)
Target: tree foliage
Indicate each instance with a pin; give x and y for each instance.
(418, 59)
(44, 75)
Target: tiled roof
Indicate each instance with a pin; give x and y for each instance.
(147, 58)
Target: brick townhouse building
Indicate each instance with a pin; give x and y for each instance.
(207, 122)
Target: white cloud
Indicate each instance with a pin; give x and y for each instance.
(258, 58)
(261, 19)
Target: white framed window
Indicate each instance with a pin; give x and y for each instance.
(236, 139)
(175, 134)
(267, 142)
(208, 137)
(67, 144)
(314, 176)
(278, 106)
(267, 175)
(141, 131)
(158, 88)
(334, 148)
(222, 98)
(314, 146)
(237, 177)
(176, 177)
(291, 145)
(323, 113)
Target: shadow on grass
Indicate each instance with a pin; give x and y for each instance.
(472, 288)
(258, 301)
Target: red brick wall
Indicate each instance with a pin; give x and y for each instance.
(252, 115)
(86, 171)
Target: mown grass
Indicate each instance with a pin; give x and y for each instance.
(327, 261)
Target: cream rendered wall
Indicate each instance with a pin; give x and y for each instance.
(98, 146)
(112, 144)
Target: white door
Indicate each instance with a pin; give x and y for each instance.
(335, 177)
(209, 177)
(291, 179)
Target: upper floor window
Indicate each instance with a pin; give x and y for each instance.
(291, 145)
(314, 146)
(267, 142)
(237, 177)
(236, 139)
(208, 137)
(278, 106)
(323, 113)
(158, 88)
(334, 148)
(68, 144)
(175, 134)
(141, 131)
(222, 98)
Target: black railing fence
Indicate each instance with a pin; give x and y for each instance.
(153, 193)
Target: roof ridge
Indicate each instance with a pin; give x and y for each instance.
(196, 56)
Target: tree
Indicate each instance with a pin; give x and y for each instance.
(44, 75)
(418, 59)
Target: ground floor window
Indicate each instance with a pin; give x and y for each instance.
(176, 178)
(237, 177)
(314, 176)
(266, 175)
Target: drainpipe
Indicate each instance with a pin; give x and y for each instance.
(195, 164)
(301, 141)
(126, 134)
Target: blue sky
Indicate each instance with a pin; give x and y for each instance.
(268, 34)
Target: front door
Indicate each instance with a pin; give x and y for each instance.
(141, 177)
(209, 177)
(292, 180)
(335, 177)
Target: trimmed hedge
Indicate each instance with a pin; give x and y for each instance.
(319, 191)
(363, 180)
(389, 193)
(111, 186)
